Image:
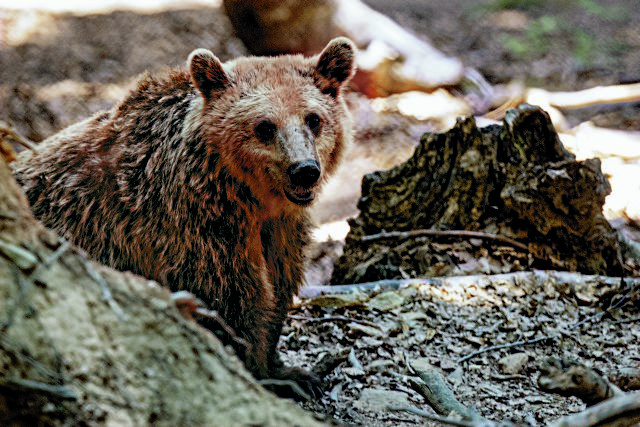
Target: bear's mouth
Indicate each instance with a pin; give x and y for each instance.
(300, 198)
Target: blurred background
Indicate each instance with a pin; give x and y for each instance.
(423, 64)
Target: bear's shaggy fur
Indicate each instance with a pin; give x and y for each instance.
(200, 181)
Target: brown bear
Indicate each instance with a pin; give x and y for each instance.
(201, 181)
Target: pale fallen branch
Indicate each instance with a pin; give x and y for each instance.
(620, 411)
(553, 102)
(561, 278)
(599, 95)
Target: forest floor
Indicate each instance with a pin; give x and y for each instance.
(57, 68)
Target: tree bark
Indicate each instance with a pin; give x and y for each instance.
(83, 343)
(514, 181)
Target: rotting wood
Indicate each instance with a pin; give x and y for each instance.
(627, 378)
(569, 378)
(515, 180)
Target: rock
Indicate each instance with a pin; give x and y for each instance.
(378, 400)
(514, 363)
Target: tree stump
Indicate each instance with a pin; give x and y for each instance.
(489, 200)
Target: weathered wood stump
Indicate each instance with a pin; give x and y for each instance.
(525, 199)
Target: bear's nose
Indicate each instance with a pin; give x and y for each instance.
(304, 174)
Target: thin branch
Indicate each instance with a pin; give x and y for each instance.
(467, 234)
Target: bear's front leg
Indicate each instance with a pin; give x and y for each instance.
(283, 241)
(230, 276)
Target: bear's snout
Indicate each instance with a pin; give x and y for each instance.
(304, 174)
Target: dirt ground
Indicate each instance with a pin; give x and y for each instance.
(57, 68)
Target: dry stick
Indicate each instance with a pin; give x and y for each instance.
(26, 283)
(577, 325)
(9, 346)
(444, 233)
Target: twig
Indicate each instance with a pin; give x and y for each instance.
(600, 95)
(9, 346)
(459, 282)
(444, 233)
(28, 260)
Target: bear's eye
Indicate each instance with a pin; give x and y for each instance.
(265, 130)
(313, 121)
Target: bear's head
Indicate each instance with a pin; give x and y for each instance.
(279, 124)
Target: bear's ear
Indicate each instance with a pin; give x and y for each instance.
(207, 73)
(336, 64)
